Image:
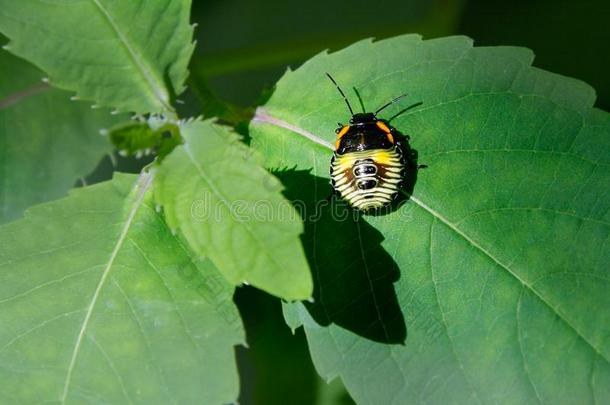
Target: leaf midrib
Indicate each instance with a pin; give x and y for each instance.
(143, 185)
(158, 91)
(21, 95)
(264, 117)
(220, 196)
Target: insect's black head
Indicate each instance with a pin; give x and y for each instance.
(366, 133)
(362, 118)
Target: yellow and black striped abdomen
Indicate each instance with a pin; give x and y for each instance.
(368, 179)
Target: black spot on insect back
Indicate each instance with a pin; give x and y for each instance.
(365, 169)
(366, 184)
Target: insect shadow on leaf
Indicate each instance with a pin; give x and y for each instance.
(353, 274)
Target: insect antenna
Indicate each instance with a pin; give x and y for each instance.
(390, 103)
(342, 93)
(360, 100)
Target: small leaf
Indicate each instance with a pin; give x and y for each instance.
(145, 138)
(99, 303)
(47, 141)
(495, 270)
(134, 137)
(129, 55)
(229, 209)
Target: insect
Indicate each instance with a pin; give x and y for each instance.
(368, 166)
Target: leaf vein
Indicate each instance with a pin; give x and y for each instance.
(135, 317)
(156, 269)
(440, 308)
(35, 328)
(46, 284)
(520, 344)
(156, 86)
(144, 183)
(223, 200)
(19, 96)
(112, 367)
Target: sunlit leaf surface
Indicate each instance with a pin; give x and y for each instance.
(215, 192)
(491, 283)
(129, 55)
(100, 303)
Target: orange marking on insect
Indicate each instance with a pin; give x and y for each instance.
(342, 132)
(387, 131)
(383, 126)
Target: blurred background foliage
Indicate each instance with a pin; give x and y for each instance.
(244, 46)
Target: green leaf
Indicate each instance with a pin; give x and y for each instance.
(130, 55)
(47, 141)
(100, 303)
(495, 272)
(229, 209)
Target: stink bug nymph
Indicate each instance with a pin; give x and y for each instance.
(369, 163)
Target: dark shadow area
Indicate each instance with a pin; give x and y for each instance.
(114, 162)
(170, 87)
(353, 274)
(568, 37)
(276, 364)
